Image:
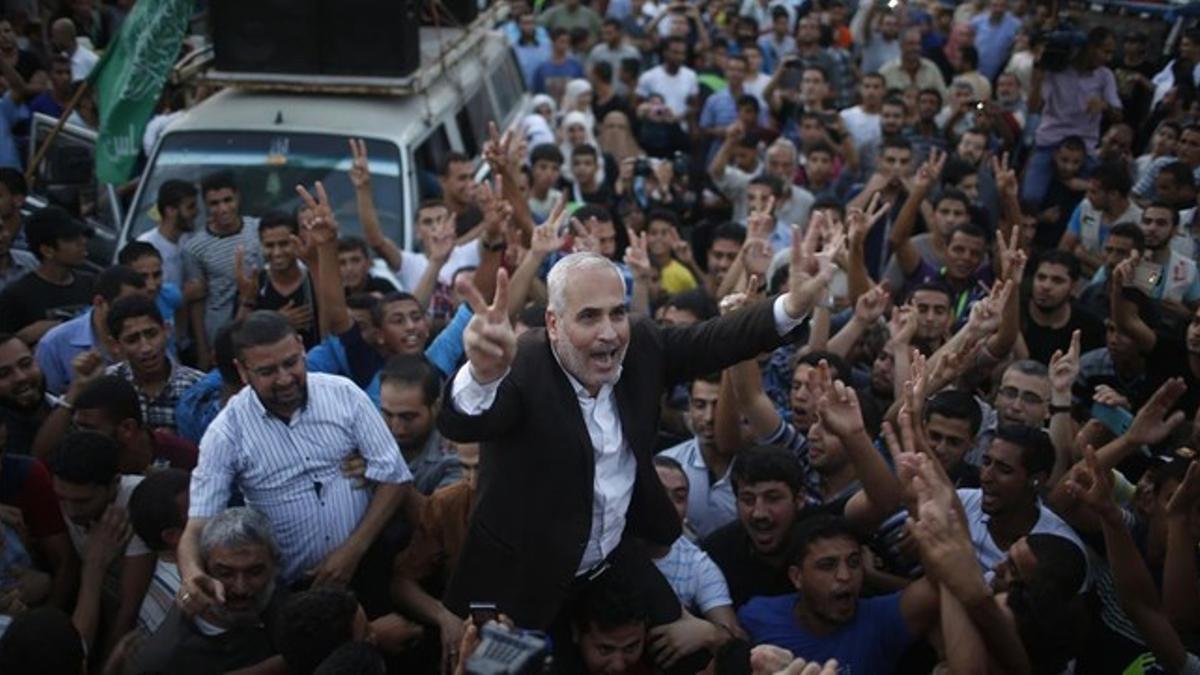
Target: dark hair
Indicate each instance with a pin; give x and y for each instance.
(431, 203)
(730, 232)
(224, 354)
(261, 328)
(588, 211)
(957, 169)
(114, 396)
(820, 146)
(1057, 256)
(391, 299)
(631, 65)
(585, 150)
(829, 204)
(955, 195)
(172, 193)
(772, 182)
(603, 70)
(740, 58)
(669, 463)
(934, 286)
(1037, 451)
(1072, 143)
(840, 369)
(766, 463)
(1047, 623)
(1113, 177)
(152, 506)
(662, 215)
(1180, 172)
(612, 22)
(413, 370)
(673, 39)
(131, 307)
(895, 141)
(109, 283)
(1163, 205)
(610, 602)
(353, 658)
(13, 180)
(313, 624)
(42, 641)
(1131, 232)
(452, 157)
(220, 180)
(749, 100)
(86, 458)
(969, 230)
(533, 316)
(135, 251)
(350, 244)
(817, 528)
(895, 102)
(1098, 35)
(274, 219)
(930, 91)
(969, 56)
(816, 68)
(955, 405)
(697, 301)
(546, 152)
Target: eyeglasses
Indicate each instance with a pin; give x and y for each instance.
(1027, 397)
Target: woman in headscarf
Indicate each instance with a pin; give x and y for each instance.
(578, 98)
(538, 126)
(616, 137)
(575, 131)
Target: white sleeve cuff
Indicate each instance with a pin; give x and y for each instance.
(784, 323)
(469, 396)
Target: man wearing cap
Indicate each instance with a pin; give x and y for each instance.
(55, 290)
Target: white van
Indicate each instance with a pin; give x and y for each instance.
(272, 141)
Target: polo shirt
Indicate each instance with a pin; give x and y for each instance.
(711, 503)
(59, 347)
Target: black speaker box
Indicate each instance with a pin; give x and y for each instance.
(366, 38)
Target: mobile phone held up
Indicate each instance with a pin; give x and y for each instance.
(483, 612)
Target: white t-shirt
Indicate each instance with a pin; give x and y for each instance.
(413, 265)
(675, 89)
(135, 547)
(986, 550)
(171, 252)
(863, 126)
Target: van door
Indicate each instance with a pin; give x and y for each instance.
(66, 177)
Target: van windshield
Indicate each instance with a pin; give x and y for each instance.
(267, 166)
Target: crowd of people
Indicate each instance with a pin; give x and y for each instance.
(784, 337)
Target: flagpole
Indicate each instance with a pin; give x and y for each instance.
(31, 170)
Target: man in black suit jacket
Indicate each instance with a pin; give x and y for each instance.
(567, 424)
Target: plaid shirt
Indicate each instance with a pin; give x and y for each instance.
(159, 412)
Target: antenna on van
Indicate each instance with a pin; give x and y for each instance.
(278, 117)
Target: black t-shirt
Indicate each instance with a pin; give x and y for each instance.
(376, 285)
(305, 294)
(747, 574)
(1042, 342)
(616, 103)
(31, 298)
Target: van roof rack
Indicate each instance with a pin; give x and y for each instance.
(441, 49)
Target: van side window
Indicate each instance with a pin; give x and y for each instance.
(507, 84)
(473, 121)
(429, 156)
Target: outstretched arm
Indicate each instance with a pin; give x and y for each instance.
(360, 178)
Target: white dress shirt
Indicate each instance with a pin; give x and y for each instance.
(616, 466)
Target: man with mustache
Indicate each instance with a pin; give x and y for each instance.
(23, 402)
(577, 405)
(238, 549)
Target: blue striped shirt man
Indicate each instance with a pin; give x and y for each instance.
(291, 470)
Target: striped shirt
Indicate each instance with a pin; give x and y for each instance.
(159, 412)
(290, 471)
(160, 597)
(694, 577)
(209, 257)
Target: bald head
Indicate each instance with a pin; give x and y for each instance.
(62, 34)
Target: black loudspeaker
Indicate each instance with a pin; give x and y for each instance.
(365, 38)
(370, 37)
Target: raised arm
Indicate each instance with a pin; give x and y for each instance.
(867, 310)
(1135, 589)
(900, 236)
(1124, 312)
(881, 495)
(733, 135)
(1064, 368)
(334, 315)
(360, 178)
(1181, 580)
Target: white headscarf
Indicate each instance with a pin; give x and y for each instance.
(570, 101)
(577, 118)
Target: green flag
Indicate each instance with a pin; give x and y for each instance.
(129, 79)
